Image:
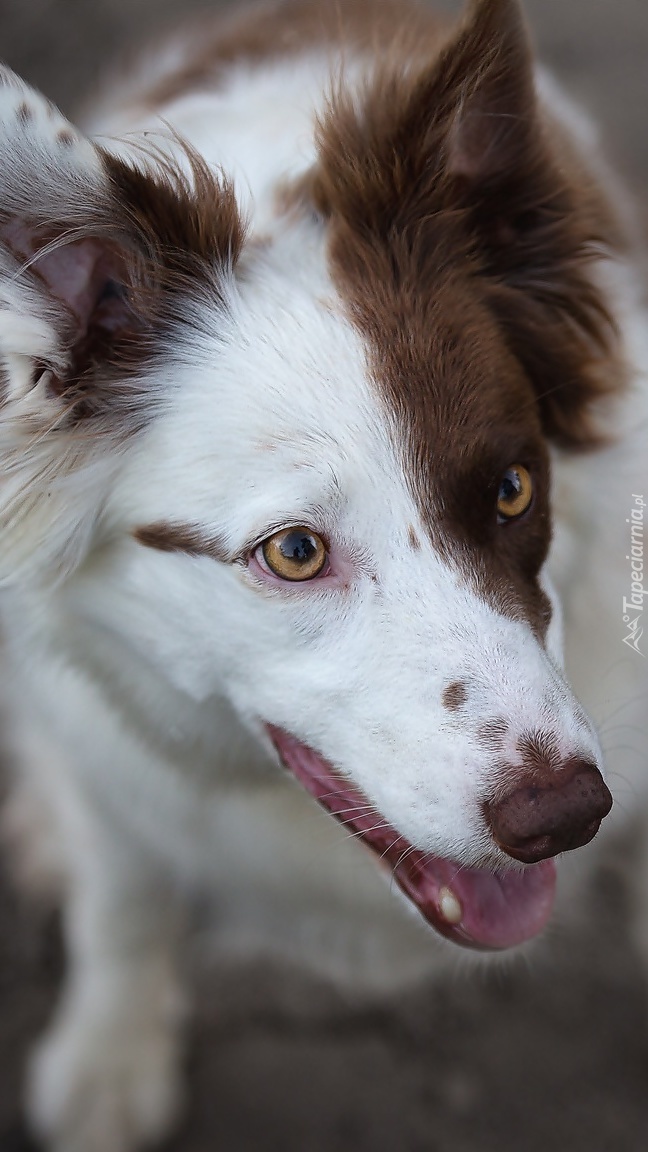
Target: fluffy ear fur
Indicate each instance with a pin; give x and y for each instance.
(452, 163)
(536, 224)
(96, 256)
(487, 79)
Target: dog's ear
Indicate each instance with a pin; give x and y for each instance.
(485, 80)
(98, 254)
(457, 157)
(538, 227)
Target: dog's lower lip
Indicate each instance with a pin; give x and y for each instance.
(473, 907)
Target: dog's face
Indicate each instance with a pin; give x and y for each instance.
(317, 465)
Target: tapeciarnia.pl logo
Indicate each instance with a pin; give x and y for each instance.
(633, 606)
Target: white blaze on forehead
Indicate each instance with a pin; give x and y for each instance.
(258, 126)
(276, 400)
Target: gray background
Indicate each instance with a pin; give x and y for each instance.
(527, 1060)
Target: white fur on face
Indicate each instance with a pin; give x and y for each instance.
(267, 418)
(273, 422)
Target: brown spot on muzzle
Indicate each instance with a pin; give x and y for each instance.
(539, 751)
(454, 695)
(554, 812)
(492, 733)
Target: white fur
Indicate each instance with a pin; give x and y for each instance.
(143, 678)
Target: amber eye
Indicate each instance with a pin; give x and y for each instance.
(515, 492)
(294, 554)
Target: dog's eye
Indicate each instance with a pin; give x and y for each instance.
(294, 554)
(515, 492)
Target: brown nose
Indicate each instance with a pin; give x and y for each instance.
(557, 811)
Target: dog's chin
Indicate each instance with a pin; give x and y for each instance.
(474, 907)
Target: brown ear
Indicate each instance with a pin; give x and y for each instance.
(453, 164)
(490, 69)
(114, 279)
(96, 251)
(103, 262)
(537, 224)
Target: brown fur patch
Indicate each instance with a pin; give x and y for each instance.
(187, 538)
(539, 751)
(462, 248)
(454, 696)
(159, 236)
(493, 733)
(180, 231)
(412, 539)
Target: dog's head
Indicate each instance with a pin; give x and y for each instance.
(310, 471)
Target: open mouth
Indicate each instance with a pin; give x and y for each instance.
(470, 906)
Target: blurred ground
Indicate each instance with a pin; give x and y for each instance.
(545, 1058)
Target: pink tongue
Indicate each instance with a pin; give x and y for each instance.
(499, 909)
(494, 910)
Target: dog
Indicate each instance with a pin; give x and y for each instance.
(323, 423)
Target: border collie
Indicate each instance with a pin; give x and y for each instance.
(310, 341)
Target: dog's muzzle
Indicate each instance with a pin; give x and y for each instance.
(475, 907)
